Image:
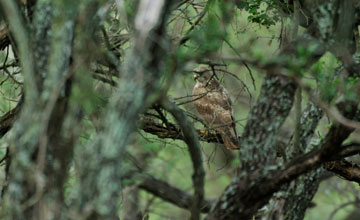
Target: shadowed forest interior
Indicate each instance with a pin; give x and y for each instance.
(192, 109)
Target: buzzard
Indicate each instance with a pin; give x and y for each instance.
(213, 103)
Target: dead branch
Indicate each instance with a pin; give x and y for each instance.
(173, 132)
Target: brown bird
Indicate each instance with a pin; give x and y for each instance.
(213, 103)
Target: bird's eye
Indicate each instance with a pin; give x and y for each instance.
(196, 76)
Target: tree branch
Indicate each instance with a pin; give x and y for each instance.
(345, 169)
(138, 88)
(173, 132)
(4, 39)
(7, 120)
(247, 194)
(171, 194)
(19, 31)
(192, 141)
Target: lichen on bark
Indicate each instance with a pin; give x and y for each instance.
(273, 106)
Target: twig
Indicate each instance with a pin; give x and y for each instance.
(242, 82)
(333, 112)
(356, 201)
(244, 63)
(20, 34)
(6, 57)
(7, 120)
(193, 100)
(296, 143)
(201, 16)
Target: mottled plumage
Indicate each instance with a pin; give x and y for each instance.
(214, 106)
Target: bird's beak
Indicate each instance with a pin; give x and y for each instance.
(196, 76)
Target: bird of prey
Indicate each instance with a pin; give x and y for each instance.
(213, 104)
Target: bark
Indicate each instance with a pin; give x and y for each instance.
(247, 194)
(40, 146)
(98, 186)
(130, 207)
(194, 147)
(267, 116)
(171, 194)
(233, 203)
(345, 169)
(56, 50)
(293, 200)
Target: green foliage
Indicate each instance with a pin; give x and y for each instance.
(327, 76)
(130, 9)
(223, 36)
(331, 195)
(209, 33)
(208, 37)
(9, 93)
(261, 12)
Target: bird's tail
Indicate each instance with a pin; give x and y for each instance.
(230, 142)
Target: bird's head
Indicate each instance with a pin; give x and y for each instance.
(204, 75)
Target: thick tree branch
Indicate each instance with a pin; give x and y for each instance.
(138, 88)
(172, 194)
(347, 150)
(273, 106)
(284, 205)
(251, 192)
(192, 141)
(345, 169)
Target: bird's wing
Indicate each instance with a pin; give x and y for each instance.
(215, 108)
(227, 105)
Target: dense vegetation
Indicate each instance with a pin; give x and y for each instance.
(98, 118)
